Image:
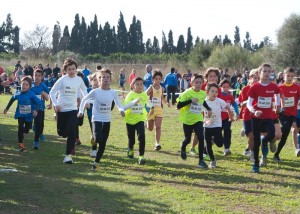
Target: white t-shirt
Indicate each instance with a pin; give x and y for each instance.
(67, 89)
(216, 107)
(102, 104)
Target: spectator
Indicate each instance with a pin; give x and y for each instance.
(1, 70)
(4, 84)
(47, 71)
(171, 82)
(132, 76)
(233, 81)
(55, 71)
(28, 70)
(86, 71)
(19, 75)
(18, 64)
(148, 77)
(225, 75)
(280, 79)
(178, 75)
(184, 84)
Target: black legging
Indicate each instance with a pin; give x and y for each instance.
(218, 139)
(171, 89)
(140, 129)
(101, 133)
(39, 125)
(23, 127)
(286, 124)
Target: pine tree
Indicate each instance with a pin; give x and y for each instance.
(180, 45)
(155, 46)
(226, 40)
(65, 40)
(75, 38)
(149, 49)
(189, 41)
(56, 38)
(171, 46)
(122, 35)
(237, 38)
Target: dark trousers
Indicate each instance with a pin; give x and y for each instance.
(226, 126)
(140, 130)
(91, 126)
(66, 127)
(101, 133)
(198, 129)
(218, 139)
(286, 124)
(23, 128)
(261, 125)
(171, 89)
(39, 125)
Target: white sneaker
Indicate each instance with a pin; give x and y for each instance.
(93, 153)
(297, 152)
(227, 152)
(242, 132)
(263, 161)
(213, 164)
(68, 159)
(251, 157)
(273, 146)
(247, 152)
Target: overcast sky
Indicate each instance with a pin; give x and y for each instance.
(206, 18)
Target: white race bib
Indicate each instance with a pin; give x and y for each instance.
(104, 109)
(137, 109)
(195, 108)
(70, 91)
(156, 101)
(264, 102)
(289, 101)
(25, 109)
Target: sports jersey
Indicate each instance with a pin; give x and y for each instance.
(37, 90)
(245, 114)
(191, 113)
(215, 119)
(228, 98)
(262, 98)
(137, 112)
(290, 95)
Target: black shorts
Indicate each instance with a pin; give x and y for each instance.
(247, 126)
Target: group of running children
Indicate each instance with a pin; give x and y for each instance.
(206, 109)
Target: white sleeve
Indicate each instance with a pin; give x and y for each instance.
(83, 88)
(249, 104)
(56, 87)
(84, 101)
(277, 99)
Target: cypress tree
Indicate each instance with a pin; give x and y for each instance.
(122, 35)
(180, 45)
(75, 38)
(56, 38)
(189, 41)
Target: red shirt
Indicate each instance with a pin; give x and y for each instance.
(262, 98)
(228, 98)
(204, 85)
(290, 96)
(245, 114)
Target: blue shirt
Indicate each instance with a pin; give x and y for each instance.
(147, 80)
(171, 79)
(37, 90)
(86, 72)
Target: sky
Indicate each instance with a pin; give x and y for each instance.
(206, 18)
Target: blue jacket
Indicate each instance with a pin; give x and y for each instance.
(171, 79)
(147, 80)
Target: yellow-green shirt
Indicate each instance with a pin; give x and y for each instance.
(191, 113)
(137, 112)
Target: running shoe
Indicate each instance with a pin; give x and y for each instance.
(277, 159)
(193, 151)
(93, 153)
(42, 138)
(247, 152)
(255, 168)
(35, 145)
(273, 146)
(263, 161)
(242, 133)
(297, 152)
(251, 158)
(68, 159)
(227, 152)
(202, 164)
(21, 147)
(157, 147)
(130, 153)
(213, 164)
(141, 160)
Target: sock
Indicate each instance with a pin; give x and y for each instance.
(298, 138)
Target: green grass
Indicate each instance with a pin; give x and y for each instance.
(166, 184)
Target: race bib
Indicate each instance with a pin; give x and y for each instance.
(289, 101)
(264, 102)
(70, 91)
(137, 109)
(104, 109)
(195, 108)
(209, 120)
(156, 101)
(25, 109)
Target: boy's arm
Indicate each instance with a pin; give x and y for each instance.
(11, 101)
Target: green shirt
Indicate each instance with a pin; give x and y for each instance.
(137, 112)
(191, 113)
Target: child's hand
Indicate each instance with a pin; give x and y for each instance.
(34, 113)
(257, 113)
(209, 113)
(122, 113)
(5, 111)
(57, 109)
(87, 106)
(49, 106)
(44, 95)
(195, 100)
(151, 111)
(136, 100)
(79, 115)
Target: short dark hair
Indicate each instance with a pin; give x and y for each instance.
(137, 79)
(156, 73)
(224, 82)
(172, 69)
(69, 62)
(210, 85)
(28, 79)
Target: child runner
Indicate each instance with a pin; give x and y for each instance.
(260, 104)
(191, 103)
(245, 114)
(155, 116)
(101, 116)
(211, 76)
(65, 105)
(213, 123)
(135, 118)
(27, 108)
(290, 94)
(296, 127)
(226, 123)
(42, 92)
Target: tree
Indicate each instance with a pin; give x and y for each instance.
(226, 40)
(93, 40)
(37, 41)
(149, 48)
(199, 54)
(155, 46)
(122, 35)
(288, 37)
(82, 33)
(9, 36)
(216, 40)
(180, 45)
(65, 40)
(164, 48)
(189, 41)
(75, 38)
(171, 46)
(237, 37)
(136, 44)
(247, 42)
(56, 38)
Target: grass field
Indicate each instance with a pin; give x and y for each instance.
(165, 184)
